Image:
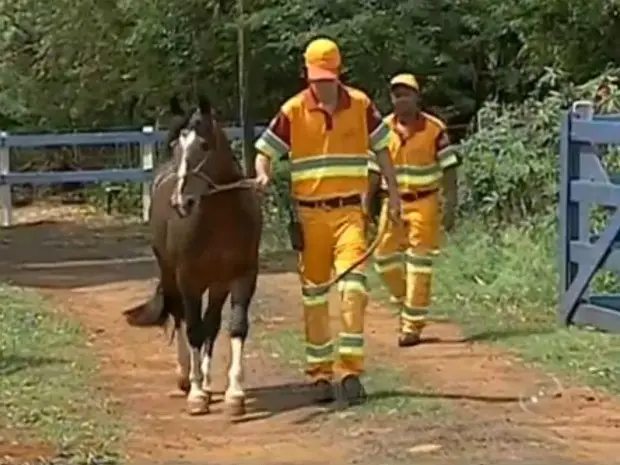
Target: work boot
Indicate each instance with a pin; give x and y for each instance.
(322, 391)
(352, 390)
(409, 339)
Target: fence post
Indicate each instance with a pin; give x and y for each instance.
(5, 189)
(146, 151)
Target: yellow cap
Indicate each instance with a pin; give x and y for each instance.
(405, 79)
(322, 59)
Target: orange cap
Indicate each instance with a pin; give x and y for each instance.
(322, 59)
(405, 79)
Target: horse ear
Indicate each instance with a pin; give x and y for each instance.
(204, 105)
(175, 106)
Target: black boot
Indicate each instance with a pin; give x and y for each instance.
(352, 390)
(408, 339)
(322, 391)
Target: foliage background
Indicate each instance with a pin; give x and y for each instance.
(500, 74)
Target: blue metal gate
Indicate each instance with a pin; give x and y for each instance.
(585, 184)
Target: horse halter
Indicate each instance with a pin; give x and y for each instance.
(212, 187)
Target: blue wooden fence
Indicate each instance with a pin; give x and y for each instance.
(148, 139)
(584, 184)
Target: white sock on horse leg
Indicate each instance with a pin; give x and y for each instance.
(206, 370)
(182, 353)
(235, 373)
(195, 375)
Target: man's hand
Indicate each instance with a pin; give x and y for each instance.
(387, 169)
(395, 209)
(262, 181)
(262, 165)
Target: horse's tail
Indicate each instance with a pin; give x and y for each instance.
(153, 312)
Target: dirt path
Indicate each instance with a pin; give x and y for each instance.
(72, 266)
(137, 368)
(493, 393)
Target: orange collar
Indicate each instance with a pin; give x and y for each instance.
(407, 130)
(312, 102)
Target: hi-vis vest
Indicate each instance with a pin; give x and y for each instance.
(328, 153)
(419, 158)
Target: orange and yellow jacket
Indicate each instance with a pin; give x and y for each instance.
(329, 153)
(420, 152)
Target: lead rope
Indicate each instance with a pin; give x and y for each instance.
(249, 183)
(383, 226)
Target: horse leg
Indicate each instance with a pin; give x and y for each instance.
(211, 322)
(242, 292)
(197, 402)
(168, 292)
(183, 362)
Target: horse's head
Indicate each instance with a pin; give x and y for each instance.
(195, 145)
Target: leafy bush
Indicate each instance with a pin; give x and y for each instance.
(510, 164)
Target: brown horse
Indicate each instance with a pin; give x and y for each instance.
(206, 226)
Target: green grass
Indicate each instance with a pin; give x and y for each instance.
(501, 287)
(390, 392)
(44, 373)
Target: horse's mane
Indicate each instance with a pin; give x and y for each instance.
(225, 144)
(177, 123)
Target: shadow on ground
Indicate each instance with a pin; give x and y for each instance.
(59, 255)
(268, 401)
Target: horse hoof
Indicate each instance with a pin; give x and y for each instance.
(235, 407)
(198, 406)
(176, 394)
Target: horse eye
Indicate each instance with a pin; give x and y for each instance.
(204, 146)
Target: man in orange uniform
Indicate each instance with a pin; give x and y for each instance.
(327, 131)
(422, 157)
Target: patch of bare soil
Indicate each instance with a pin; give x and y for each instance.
(93, 270)
(14, 452)
(500, 416)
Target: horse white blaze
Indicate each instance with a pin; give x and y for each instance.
(182, 352)
(235, 373)
(186, 140)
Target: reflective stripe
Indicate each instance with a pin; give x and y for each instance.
(319, 353)
(413, 314)
(271, 145)
(407, 175)
(351, 344)
(313, 296)
(373, 165)
(447, 157)
(380, 137)
(330, 166)
(390, 262)
(419, 263)
(354, 282)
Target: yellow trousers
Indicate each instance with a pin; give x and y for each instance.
(333, 240)
(404, 259)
